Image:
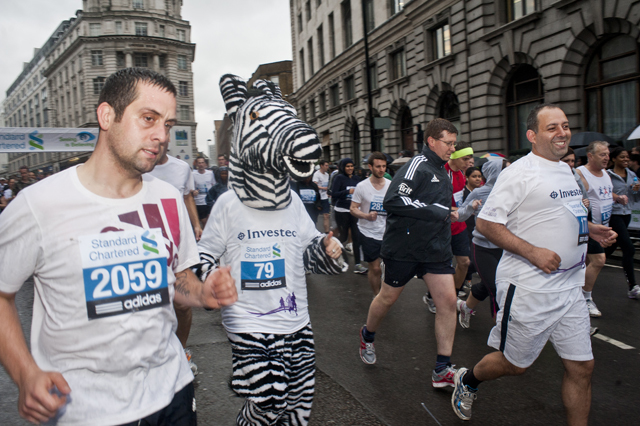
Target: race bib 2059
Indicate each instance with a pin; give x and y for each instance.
(124, 272)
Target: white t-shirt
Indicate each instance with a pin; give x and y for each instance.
(177, 173)
(203, 183)
(8, 193)
(539, 201)
(370, 199)
(102, 311)
(600, 195)
(264, 249)
(322, 179)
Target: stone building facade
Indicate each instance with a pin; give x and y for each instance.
(61, 85)
(482, 64)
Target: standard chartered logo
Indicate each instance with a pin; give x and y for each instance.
(276, 250)
(35, 141)
(149, 243)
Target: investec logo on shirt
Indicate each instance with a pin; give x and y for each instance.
(268, 233)
(565, 193)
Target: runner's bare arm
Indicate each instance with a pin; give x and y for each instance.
(356, 212)
(193, 215)
(36, 403)
(545, 259)
(219, 289)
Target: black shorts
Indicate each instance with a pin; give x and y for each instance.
(325, 207)
(460, 244)
(370, 248)
(203, 211)
(181, 411)
(397, 272)
(594, 247)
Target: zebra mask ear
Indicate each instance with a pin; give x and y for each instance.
(234, 93)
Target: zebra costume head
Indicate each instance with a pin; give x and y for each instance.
(269, 143)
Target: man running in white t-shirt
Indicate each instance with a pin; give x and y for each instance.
(535, 213)
(366, 205)
(204, 181)
(321, 178)
(106, 265)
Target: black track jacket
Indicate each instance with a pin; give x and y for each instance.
(418, 205)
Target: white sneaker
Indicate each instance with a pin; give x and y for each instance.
(359, 269)
(192, 365)
(429, 302)
(348, 248)
(593, 309)
(634, 293)
(465, 315)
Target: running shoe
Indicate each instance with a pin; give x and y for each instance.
(462, 294)
(367, 350)
(465, 314)
(594, 330)
(192, 365)
(634, 293)
(593, 309)
(466, 286)
(359, 269)
(462, 397)
(348, 248)
(429, 302)
(443, 378)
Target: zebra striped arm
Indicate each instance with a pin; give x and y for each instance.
(207, 265)
(316, 260)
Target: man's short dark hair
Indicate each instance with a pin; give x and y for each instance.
(462, 145)
(205, 160)
(23, 167)
(322, 162)
(222, 155)
(121, 87)
(376, 155)
(438, 125)
(532, 119)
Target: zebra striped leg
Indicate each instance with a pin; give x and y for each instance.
(300, 368)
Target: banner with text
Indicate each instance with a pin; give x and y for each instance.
(29, 139)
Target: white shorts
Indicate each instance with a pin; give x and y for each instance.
(526, 320)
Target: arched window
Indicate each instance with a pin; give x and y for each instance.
(611, 85)
(449, 108)
(378, 135)
(523, 93)
(406, 129)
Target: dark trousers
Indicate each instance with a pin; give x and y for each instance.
(619, 223)
(486, 261)
(346, 221)
(180, 412)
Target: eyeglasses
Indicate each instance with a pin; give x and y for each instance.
(449, 144)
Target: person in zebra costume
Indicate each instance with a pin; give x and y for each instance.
(262, 230)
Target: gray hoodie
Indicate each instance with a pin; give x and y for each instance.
(490, 170)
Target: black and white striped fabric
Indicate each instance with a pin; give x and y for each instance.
(269, 143)
(275, 375)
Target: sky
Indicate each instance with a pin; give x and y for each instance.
(230, 37)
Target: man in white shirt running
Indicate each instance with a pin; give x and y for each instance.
(321, 178)
(204, 181)
(366, 205)
(106, 265)
(535, 213)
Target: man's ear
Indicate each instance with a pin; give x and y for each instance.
(106, 116)
(531, 135)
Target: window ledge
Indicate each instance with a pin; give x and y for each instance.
(511, 25)
(333, 109)
(443, 60)
(561, 4)
(322, 115)
(400, 80)
(353, 100)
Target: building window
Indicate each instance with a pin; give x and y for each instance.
(449, 108)
(96, 58)
(161, 31)
(395, 6)
(302, 73)
(612, 83)
(183, 88)
(307, 9)
(303, 113)
(95, 30)
(118, 27)
(524, 92)
(334, 94)
(320, 37)
(182, 62)
(141, 28)
(275, 79)
(516, 9)
(373, 75)
(322, 102)
(312, 108)
(369, 20)
(98, 84)
(138, 4)
(347, 33)
(300, 22)
(332, 37)
(121, 61)
(398, 64)
(310, 51)
(442, 41)
(182, 35)
(162, 61)
(140, 60)
(184, 112)
(349, 88)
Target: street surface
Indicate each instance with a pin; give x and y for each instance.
(397, 390)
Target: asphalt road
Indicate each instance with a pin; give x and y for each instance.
(397, 390)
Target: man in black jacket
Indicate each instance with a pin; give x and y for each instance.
(417, 242)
